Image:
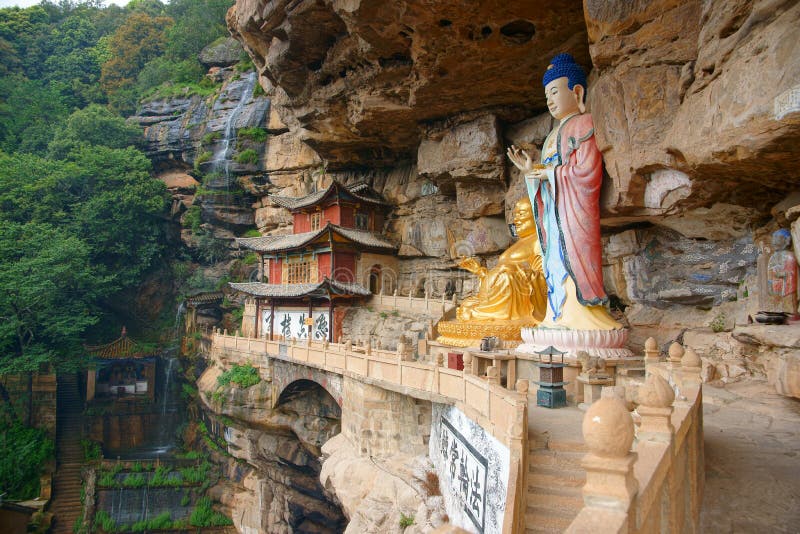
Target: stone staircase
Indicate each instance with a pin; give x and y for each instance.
(66, 504)
(555, 476)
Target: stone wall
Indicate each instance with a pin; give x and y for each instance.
(379, 422)
(33, 399)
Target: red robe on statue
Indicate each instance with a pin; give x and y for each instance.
(579, 176)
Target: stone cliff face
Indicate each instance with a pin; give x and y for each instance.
(696, 113)
(274, 486)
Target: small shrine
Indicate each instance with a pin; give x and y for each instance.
(123, 369)
(335, 257)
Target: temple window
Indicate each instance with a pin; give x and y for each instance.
(316, 220)
(298, 273)
(362, 221)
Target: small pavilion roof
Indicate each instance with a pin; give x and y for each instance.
(324, 288)
(123, 348)
(360, 191)
(211, 297)
(279, 243)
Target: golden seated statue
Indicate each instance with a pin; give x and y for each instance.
(512, 295)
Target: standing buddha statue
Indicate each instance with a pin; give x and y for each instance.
(564, 190)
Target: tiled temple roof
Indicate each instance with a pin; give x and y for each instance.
(123, 348)
(278, 243)
(327, 286)
(205, 298)
(360, 191)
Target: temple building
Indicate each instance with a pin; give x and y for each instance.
(336, 256)
(123, 369)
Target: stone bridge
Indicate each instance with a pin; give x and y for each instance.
(388, 403)
(391, 404)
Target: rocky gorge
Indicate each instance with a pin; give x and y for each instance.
(696, 112)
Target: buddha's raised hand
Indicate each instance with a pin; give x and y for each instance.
(521, 159)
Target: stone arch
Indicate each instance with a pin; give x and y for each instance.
(375, 280)
(311, 411)
(301, 387)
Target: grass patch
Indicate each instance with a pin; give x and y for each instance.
(202, 157)
(255, 134)
(91, 450)
(105, 521)
(204, 515)
(135, 480)
(244, 376)
(406, 520)
(210, 441)
(246, 157)
(210, 137)
(188, 391)
(205, 87)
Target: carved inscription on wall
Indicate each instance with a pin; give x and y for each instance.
(473, 470)
(466, 468)
(291, 323)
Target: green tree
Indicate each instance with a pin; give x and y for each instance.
(94, 125)
(103, 196)
(121, 211)
(72, 66)
(140, 39)
(29, 114)
(23, 451)
(197, 23)
(27, 31)
(47, 289)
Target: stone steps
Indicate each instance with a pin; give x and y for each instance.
(66, 503)
(554, 484)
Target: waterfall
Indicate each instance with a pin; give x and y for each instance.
(220, 160)
(176, 329)
(165, 387)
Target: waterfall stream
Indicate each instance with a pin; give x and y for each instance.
(220, 161)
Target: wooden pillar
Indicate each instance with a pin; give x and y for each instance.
(272, 320)
(91, 378)
(310, 311)
(330, 318)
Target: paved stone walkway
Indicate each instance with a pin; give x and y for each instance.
(752, 460)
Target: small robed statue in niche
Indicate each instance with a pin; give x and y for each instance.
(782, 275)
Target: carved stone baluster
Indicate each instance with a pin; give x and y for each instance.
(493, 375)
(655, 408)
(610, 485)
(651, 352)
(675, 354)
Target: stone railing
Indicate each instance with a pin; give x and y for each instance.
(647, 478)
(500, 411)
(430, 306)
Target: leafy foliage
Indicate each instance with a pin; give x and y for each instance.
(140, 39)
(247, 156)
(47, 294)
(204, 515)
(81, 219)
(255, 134)
(243, 376)
(23, 451)
(29, 113)
(94, 125)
